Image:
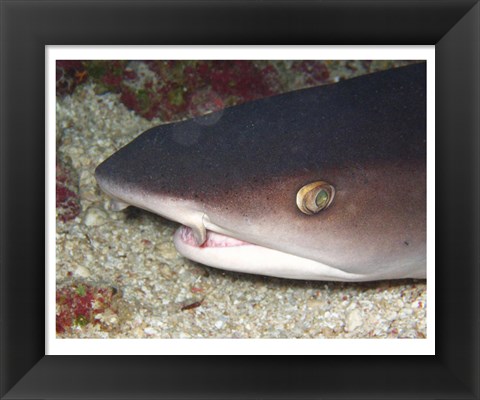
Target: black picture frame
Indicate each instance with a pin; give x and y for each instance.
(26, 27)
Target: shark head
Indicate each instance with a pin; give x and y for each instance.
(326, 183)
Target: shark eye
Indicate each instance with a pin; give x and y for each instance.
(315, 197)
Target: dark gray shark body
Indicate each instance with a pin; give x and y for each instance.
(236, 172)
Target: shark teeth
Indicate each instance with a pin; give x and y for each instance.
(199, 233)
(213, 239)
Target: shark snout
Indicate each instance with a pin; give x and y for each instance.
(124, 194)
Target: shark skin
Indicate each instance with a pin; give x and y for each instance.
(231, 178)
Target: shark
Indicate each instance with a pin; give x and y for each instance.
(324, 183)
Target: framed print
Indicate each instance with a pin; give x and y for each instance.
(175, 311)
(119, 274)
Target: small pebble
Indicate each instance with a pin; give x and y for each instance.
(150, 331)
(94, 217)
(354, 320)
(82, 271)
(417, 304)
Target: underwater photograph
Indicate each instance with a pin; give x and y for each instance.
(241, 199)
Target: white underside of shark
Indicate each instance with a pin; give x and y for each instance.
(231, 254)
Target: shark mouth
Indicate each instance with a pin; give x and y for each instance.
(186, 235)
(228, 253)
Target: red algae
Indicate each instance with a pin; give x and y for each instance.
(183, 89)
(191, 88)
(69, 74)
(80, 304)
(314, 72)
(111, 75)
(67, 201)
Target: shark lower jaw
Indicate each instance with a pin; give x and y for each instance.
(224, 252)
